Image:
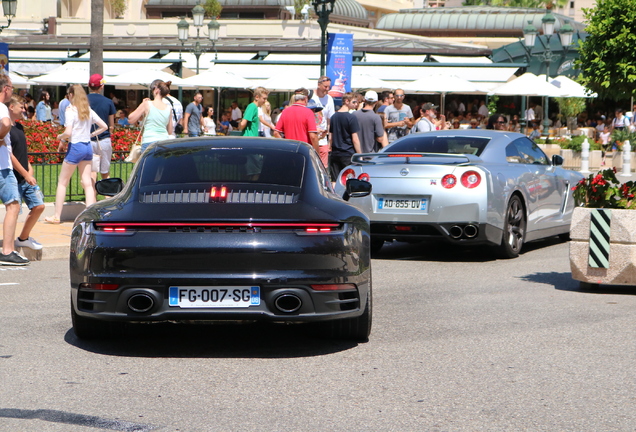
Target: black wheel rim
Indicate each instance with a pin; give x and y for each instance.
(515, 224)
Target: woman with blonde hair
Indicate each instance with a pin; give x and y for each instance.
(265, 116)
(76, 141)
(158, 124)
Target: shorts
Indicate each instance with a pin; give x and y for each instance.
(31, 194)
(9, 187)
(144, 146)
(324, 155)
(78, 152)
(102, 155)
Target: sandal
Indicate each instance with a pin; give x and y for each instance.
(52, 220)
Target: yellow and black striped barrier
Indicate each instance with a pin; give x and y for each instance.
(600, 238)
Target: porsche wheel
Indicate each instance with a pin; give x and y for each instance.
(357, 329)
(514, 230)
(87, 328)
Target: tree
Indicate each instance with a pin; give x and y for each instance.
(119, 7)
(212, 8)
(607, 57)
(97, 37)
(570, 107)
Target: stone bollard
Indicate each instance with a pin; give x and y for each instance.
(585, 157)
(627, 161)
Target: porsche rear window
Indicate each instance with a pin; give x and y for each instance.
(196, 165)
(425, 143)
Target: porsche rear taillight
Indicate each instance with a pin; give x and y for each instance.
(333, 287)
(471, 179)
(346, 175)
(317, 230)
(364, 177)
(449, 181)
(218, 194)
(99, 286)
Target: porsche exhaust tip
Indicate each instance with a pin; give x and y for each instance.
(140, 303)
(471, 231)
(456, 231)
(288, 303)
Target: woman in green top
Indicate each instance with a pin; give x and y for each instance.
(158, 124)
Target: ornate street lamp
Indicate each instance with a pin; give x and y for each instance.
(9, 8)
(213, 34)
(198, 14)
(323, 9)
(547, 56)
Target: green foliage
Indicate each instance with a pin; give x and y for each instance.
(607, 57)
(575, 143)
(571, 107)
(212, 8)
(119, 7)
(603, 190)
(492, 104)
(299, 4)
(620, 136)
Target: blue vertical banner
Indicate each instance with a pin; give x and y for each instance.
(339, 62)
(4, 58)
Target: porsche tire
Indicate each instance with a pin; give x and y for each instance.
(87, 328)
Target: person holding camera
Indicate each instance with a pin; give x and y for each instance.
(158, 124)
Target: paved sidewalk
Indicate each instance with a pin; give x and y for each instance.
(55, 239)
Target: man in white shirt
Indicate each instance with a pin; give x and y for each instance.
(237, 115)
(429, 121)
(9, 192)
(322, 99)
(483, 109)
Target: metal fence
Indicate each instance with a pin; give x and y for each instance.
(47, 166)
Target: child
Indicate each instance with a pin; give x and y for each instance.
(604, 138)
(536, 133)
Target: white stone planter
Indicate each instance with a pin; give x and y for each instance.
(622, 257)
(572, 159)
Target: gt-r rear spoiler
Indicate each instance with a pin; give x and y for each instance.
(376, 158)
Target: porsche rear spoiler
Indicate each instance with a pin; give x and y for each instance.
(386, 157)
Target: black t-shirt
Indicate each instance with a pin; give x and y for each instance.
(19, 148)
(342, 126)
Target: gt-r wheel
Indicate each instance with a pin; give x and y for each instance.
(376, 245)
(87, 328)
(514, 230)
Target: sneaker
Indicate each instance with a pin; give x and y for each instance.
(13, 259)
(30, 243)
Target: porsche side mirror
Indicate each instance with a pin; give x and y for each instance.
(357, 189)
(109, 186)
(557, 160)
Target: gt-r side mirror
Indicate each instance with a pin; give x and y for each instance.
(557, 160)
(109, 186)
(356, 189)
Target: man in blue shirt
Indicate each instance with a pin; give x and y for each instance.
(105, 109)
(192, 119)
(64, 103)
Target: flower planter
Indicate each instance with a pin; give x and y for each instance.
(572, 159)
(621, 267)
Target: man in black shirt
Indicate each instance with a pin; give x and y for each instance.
(27, 184)
(343, 135)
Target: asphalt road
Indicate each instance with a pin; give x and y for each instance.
(461, 342)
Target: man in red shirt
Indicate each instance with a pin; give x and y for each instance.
(298, 122)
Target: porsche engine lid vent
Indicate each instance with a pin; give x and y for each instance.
(202, 196)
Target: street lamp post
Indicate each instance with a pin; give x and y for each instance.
(323, 9)
(198, 14)
(9, 8)
(530, 33)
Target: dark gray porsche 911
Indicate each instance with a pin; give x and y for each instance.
(223, 229)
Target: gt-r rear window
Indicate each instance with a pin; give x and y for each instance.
(435, 144)
(215, 165)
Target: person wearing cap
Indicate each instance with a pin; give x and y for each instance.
(322, 99)
(399, 117)
(372, 134)
(297, 122)
(343, 136)
(105, 109)
(429, 121)
(318, 117)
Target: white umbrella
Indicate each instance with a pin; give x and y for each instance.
(69, 73)
(141, 78)
(528, 84)
(365, 81)
(19, 80)
(284, 83)
(215, 79)
(570, 86)
(443, 84)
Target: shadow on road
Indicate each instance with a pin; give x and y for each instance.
(440, 251)
(564, 282)
(212, 341)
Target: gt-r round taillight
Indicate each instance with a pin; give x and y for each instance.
(346, 175)
(471, 179)
(449, 181)
(364, 177)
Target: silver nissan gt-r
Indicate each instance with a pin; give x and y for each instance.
(464, 186)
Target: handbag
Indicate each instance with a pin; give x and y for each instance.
(135, 149)
(178, 128)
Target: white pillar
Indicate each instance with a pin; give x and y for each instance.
(627, 155)
(585, 157)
